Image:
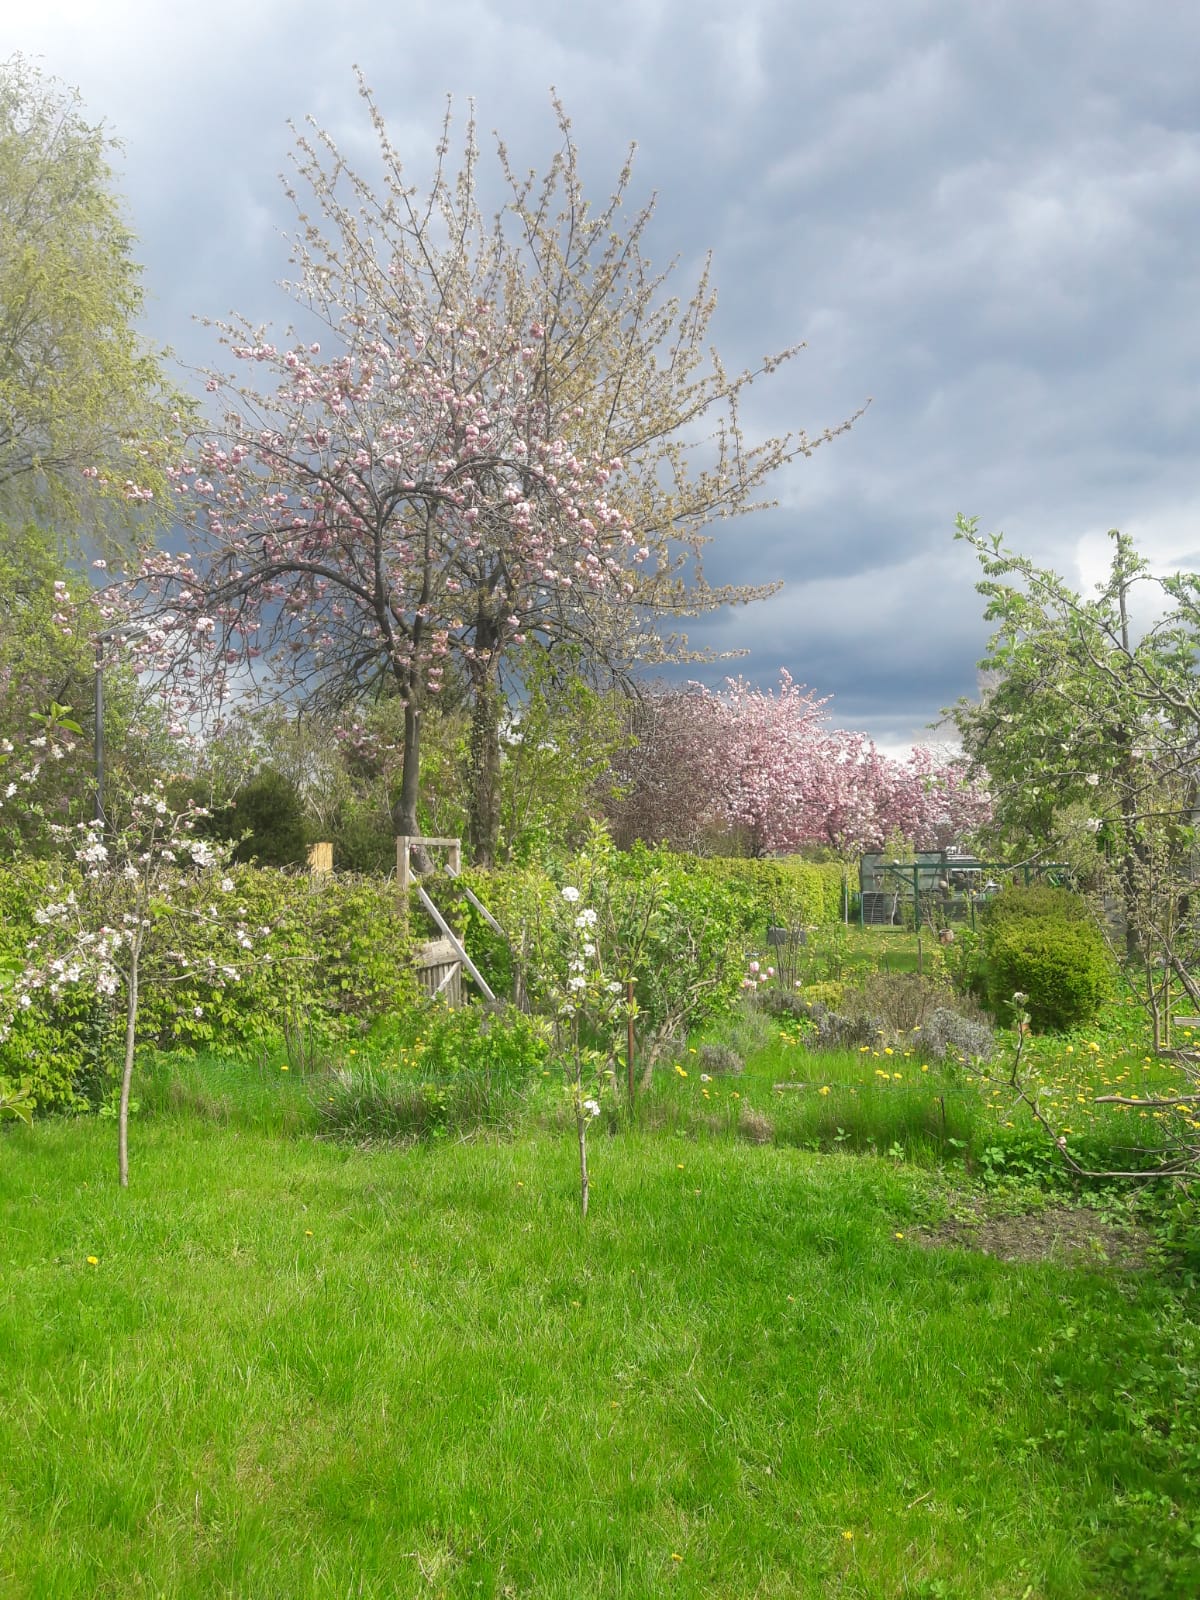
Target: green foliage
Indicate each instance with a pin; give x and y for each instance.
(1037, 902)
(329, 953)
(16, 1102)
(787, 890)
(266, 817)
(440, 1070)
(84, 404)
(1043, 943)
(557, 756)
(668, 922)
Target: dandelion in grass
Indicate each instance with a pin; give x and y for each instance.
(93, 1261)
(824, 1089)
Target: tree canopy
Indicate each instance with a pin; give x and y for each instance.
(1089, 723)
(84, 402)
(492, 433)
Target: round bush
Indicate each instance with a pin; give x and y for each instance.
(1063, 967)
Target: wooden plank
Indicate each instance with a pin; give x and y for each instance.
(462, 955)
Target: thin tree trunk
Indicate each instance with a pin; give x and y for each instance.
(483, 819)
(404, 812)
(131, 1010)
(581, 1123)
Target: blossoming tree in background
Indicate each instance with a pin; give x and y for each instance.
(765, 767)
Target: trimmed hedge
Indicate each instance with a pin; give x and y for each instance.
(329, 952)
(787, 891)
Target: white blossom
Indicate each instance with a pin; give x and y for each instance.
(570, 894)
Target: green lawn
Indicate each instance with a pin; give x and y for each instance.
(300, 1369)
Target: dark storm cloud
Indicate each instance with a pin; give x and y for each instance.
(982, 216)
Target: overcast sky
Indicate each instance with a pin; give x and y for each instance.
(981, 215)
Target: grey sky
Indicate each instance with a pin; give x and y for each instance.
(982, 215)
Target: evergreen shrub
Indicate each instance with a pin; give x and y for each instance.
(1043, 942)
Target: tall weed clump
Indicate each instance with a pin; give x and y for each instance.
(441, 1071)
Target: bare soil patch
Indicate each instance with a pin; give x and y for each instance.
(1073, 1236)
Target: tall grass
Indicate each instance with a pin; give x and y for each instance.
(301, 1369)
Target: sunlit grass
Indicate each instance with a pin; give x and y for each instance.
(283, 1367)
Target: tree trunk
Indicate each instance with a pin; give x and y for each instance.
(483, 809)
(404, 812)
(131, 1010)
(581, 1122)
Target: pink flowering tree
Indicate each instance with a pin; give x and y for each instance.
(486, 437)
(766, 766)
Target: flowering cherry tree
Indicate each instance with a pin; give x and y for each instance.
(766, 766)
(485, 436)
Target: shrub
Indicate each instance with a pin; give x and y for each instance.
(721, 1060)
(826, 994)
(835, 1031)
(266, 821)
(950, 1036)
(786, 1003)
(785, 890)
(666, 921)
(900, 1001)
(1043, 943)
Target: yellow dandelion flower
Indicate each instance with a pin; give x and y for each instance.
(824, 1089)
(93, 1261)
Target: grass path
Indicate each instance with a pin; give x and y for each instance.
(298, 1370)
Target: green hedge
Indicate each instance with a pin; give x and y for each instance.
(334, 955)
(787, 891)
